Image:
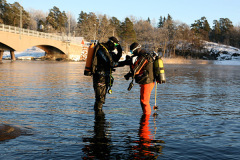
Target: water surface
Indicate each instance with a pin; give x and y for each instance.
(52, 103)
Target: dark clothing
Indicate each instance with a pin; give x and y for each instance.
(103, 63)
(100, 85)
(142, 71)
(99, 143)
(143, 68)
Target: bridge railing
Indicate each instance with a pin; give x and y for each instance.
(22, 31)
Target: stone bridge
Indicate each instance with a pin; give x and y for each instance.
(19, 39)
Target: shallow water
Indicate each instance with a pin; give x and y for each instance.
(52, 103)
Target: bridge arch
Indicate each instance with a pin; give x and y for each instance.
(18, 39)
(5, 47)
(52, 52)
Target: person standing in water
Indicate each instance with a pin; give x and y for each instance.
(142, 71)
(103, 63)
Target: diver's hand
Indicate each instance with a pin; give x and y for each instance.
(128, 75)
(128, 60)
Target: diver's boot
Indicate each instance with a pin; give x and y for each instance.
(98, 107)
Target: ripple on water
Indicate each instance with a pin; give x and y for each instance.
(198, 115)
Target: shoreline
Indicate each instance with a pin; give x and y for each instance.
(185, 61)
(165, 60)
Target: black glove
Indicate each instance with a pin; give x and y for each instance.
(128, 57)
(128, 60)
(128, 75)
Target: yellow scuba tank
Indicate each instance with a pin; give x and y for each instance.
(159, 73)
(88, 66)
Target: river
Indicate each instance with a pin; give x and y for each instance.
(52, 103)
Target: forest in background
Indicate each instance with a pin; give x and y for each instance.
(170, 37)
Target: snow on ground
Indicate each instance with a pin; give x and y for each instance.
(223, 52)
(226, 55)
(221, 48)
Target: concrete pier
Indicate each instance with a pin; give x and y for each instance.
(12, 55)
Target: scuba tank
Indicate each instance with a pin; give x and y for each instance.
(88, 66)
(158, 68)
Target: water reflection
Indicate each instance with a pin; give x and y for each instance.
(146, 147)
(98, 146)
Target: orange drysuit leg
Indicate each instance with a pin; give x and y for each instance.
(145, 94)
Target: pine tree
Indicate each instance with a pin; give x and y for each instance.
(170, 27)
(216, 33)
(2, 10)
(87, 26)
(149, 21)
(116, 26)
(105, 28)
(201, 28)
(225, 25)
(160, 24)
(128, 35)
(57, 19)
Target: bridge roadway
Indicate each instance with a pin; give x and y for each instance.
(19, 39)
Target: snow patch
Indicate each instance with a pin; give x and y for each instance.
(222, 52)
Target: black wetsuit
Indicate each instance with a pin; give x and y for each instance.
(104, 62)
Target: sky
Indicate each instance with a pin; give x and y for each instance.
(186, 11)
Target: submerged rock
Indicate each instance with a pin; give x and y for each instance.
(8, 132)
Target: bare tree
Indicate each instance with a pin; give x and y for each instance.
(37, 19)
(87, 26)
(235, 36)
(165, 39)
(145, 34)
(71, 24)
(105, 29)
(185, 38)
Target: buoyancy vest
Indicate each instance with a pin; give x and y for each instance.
(99, 64)
(143, 69)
